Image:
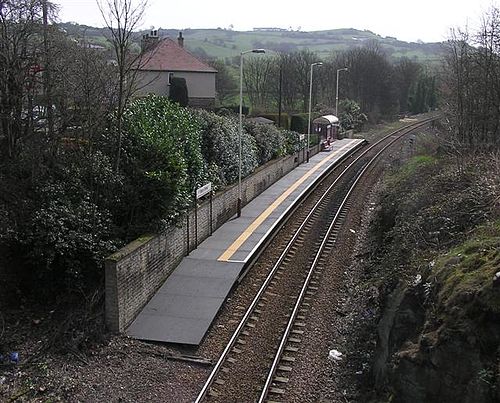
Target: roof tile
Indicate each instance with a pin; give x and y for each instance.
(167, 55)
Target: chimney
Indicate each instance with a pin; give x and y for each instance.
(180, 40)
(149, 40)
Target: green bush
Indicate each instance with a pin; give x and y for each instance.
(220, 147)
(58, 227)
(235, 109)
(350, 116)
(65, 207)
(298, 122)
(162, 162)
(275, 117)
(269, 139)
(292, 142)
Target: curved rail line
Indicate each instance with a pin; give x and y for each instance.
(328, 239)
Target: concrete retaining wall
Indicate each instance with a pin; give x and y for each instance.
(134, 273)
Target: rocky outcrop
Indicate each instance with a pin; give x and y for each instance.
(439, 337)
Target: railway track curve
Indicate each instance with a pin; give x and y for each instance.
(260, 353)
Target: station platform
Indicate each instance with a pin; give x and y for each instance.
(186, 304)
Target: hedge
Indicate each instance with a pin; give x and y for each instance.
(285, 119)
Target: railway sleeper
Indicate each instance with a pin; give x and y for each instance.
(277, 391)
(213, 393)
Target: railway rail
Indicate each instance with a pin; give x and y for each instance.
(259, 356)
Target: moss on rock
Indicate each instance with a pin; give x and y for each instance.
(467, 271)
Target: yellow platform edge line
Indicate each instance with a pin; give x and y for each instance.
(233, 248)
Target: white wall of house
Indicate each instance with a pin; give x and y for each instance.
(200, 85)
(152, 82)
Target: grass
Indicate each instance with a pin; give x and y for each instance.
(221, 43)
(465, 274)
(323, 42)
(416, 163)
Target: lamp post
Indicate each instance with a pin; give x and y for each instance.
(337, 93)
(240, 127)
(310, 102)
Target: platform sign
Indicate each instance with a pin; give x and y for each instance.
(205, 189)
(200, 192)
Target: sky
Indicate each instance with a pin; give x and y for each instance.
(425, 20)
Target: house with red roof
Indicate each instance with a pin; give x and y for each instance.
(163, 59)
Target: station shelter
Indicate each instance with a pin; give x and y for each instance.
(327, 128)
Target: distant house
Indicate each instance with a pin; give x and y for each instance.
(163, 59)
(269, 29)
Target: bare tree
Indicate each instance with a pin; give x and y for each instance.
(83, 89)
(406, 74)
(122, 17)
(456, 90)
(257, 76)
(284, 78)
(46, 79)
(21, 68)
(471, 89)
(327, 75)
(225, 85)
(302, 68)
(370, 80)
(487, 88)
(289, 83)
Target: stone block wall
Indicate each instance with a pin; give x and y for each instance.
(134, 273)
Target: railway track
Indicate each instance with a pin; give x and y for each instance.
(258, 358)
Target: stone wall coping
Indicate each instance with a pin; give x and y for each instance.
(144, 239)
(131, 247)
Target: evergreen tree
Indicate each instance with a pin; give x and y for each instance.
(179, 91)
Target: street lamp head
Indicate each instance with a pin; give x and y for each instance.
(317, 64)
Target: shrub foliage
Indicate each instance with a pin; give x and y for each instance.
(64, 204)
(163, 163)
